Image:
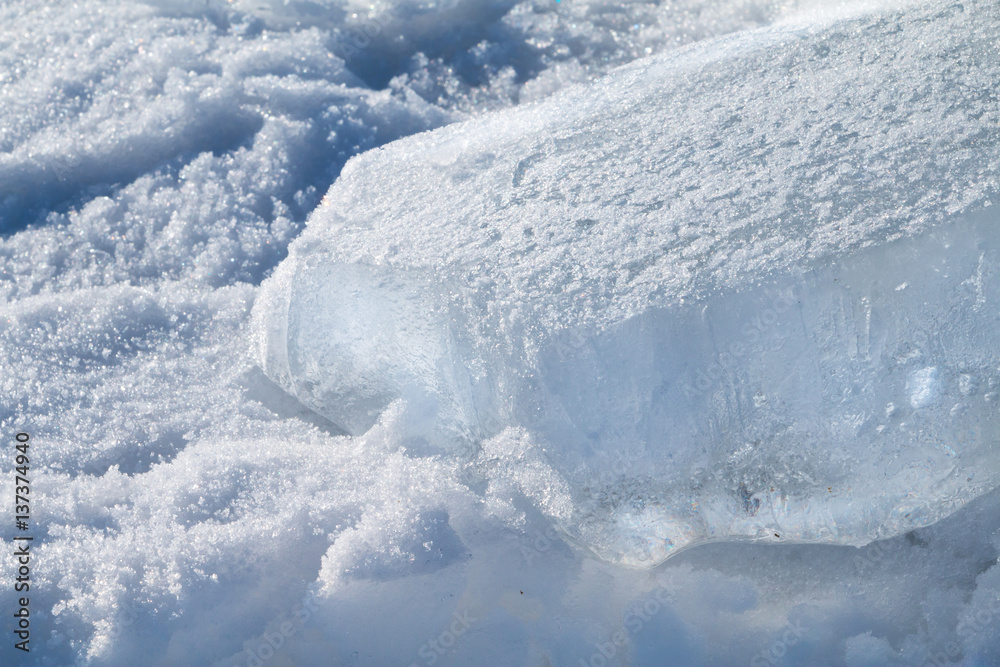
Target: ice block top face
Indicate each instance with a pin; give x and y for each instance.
(741, 291)
(703, 168)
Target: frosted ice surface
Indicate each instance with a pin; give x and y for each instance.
(742, 290)
(388, 339)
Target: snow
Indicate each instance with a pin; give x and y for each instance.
(158, 161)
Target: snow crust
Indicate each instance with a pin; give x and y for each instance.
(155, 163)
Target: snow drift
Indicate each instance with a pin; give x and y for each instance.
(157, 159)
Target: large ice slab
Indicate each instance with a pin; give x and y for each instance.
(738, 291)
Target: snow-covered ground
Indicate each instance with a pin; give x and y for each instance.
(158, 160)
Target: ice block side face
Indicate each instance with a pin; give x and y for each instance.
(347, 340)
(743, 291)
(851, 402)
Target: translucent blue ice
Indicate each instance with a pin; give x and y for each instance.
(740, 291)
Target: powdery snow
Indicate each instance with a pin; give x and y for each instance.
(156, 162)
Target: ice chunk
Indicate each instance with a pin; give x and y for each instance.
(699, 285)
(350, 339)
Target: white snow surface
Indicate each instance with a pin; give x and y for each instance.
(156, 162)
